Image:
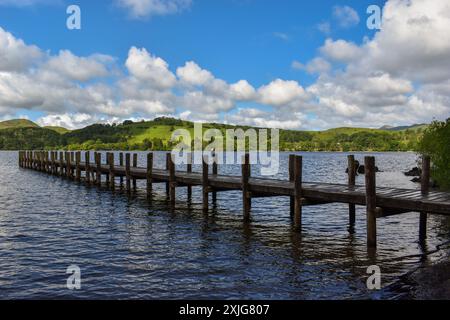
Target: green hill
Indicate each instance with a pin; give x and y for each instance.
(156, 134)
(18, 123)
(60, 130)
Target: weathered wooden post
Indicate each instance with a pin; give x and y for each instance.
(77, 166)
(246, 197)
(99, 169)
(425, 188)
(167, 169)
(112, 174)
(205, 183)
(121, 165)
(215, 170)
(61, 163)
(107, 174)
(172, 181)
(52, 155)
(134, 166)
(67, 158)
(127, 172)
(149, 174)
(371, 201)
(87, 165)
(189, 170)
(291, 179)
(298, 176)
(351, 184)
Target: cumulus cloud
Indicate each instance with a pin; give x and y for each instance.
(281, 92)
(15, 55)
(146, 67)
(147, 8)
(399, 76)
(346, 16)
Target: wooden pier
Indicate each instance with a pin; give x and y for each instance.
(379, 201)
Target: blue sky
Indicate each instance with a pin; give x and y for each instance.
(255, 41)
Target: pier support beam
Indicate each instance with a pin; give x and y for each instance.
(128, 172)
(189, 169)
(121, 165)
(99, 171)
(112, 173)
(215, 171)
(87, 159)
(351, 183)
(149, 175)
(167, 168)
(134, 166)
(291, 179)
(68, 166)
(172, 182)
(246, 197)
(77, 166)
(298, 193)
(425, 187)
(205, 183)
(371, 202)
(107, 176)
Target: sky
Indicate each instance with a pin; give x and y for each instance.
(307, 65)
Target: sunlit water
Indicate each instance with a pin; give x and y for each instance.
(129, 248)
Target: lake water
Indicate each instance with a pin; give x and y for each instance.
(128, 248)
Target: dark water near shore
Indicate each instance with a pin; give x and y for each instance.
(128, 248)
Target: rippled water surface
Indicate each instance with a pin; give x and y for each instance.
(127, 247)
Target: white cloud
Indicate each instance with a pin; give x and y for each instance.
(192, 74)
(147, 8)
(324, 27)
(281, 92)
(15, 55)
(146, 67)
(341, 50)
(346, 16)
(78, 68)
(316, 65)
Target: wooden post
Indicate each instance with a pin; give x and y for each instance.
(99, 169)
(215, 170)
(112, 174)
(167, 168)
(425, 187)
(246, 199)
(61, 163)
(68, 168)
(127, 171)
(371, 201)
(149, 174)
(298, 176)
(351, 183)
(134, 166)
(121, 165)
(189, 170)
(77, 166)
(291, 179)
(107, 175)
(52, 155)
(87, 160)
(205, 183)
(172, 182)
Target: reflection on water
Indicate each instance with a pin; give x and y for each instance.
(130, 248)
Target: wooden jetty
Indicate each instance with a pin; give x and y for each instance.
(379, 201)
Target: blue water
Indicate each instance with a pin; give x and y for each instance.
(127, 247)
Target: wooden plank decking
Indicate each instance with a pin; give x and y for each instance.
(380, 201)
